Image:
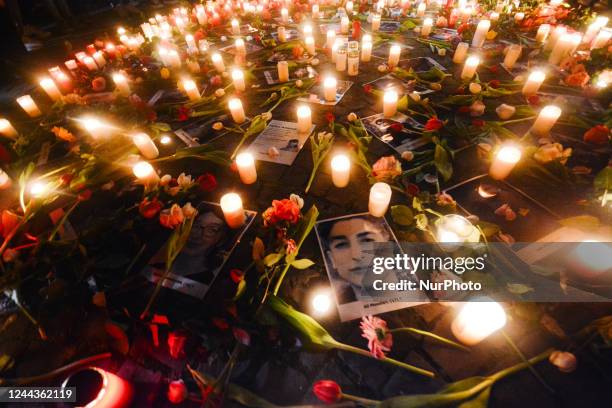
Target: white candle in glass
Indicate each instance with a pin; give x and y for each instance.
(533, 83)
(235, 27)
(283, 71)
(341, 56)
(375, 22)
(554, 36)
(191, 44)
(341, 170)
(594, 28)
(284, 15)
(238, 80)
(145, 173)
(121, 83)
(512, 55)
(389, 103)
(90, 63)
(334, 51)
(366, 48)
(218, 62)
(246, 168)
(282, 34)
(29, 106)
(421, 10)
(50, 88)
(99, 58)
(575, 42)
(380, 196)
(304, 119)
(461, 53)
(331, 38)
(191, 89)
(231, 205)
(477, 320)
(5, 180)
(349, 7)
(236, 110)
(310, 45)
(542, 33)
(394, 55)
(426, 29)
(504, 161)
(561, 48)
(6, 129)
(240, 47)
(146, 146)
(481, 33)
(602, 39)
(546, 119)
(469, 68)
(329, 89)
(344, 25)
(71, 65)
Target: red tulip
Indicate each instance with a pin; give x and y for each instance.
(327, 391)
(177, 392)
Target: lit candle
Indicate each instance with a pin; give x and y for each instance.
(283, 71)
(238, 79)
(307, 30)
(366, 48)
(542, 33)
(389, 103)
(329, 89)
(145, 173)
(554, 36)
(282, 34)
(310, 45)
(421, 10)
(218, 62)
(90, 63)
(61, 78)
(575, 42)
(380, 196)
(71, 65)
(546, 119)
(469, 68)
(201, 16)
(174, 59)
(29, 106)
(146, 146)
(5, 180)
(284, 15)
(246, 168)
(96, 128)
(534, 81)
(6, 129)
(375, 22)
(477, 320)
(304, 119)
(344, 25)
(121, 83)
(349, 7)
(512, 55)
(235, 27)
(341, 56)
(50, 88)
(426, 29)
(341, 170)
(394, 55)
(191, 89)
(331, 38)
(561, 48)
(236, 110)
(481, 33)
(191, 44)
(240, 47)
(594, 28)
(452, 230)
(504, 161)
(231, 205)
(99, 58)
(602, 38)
(518, 17)
(315, 10)
(461, 52)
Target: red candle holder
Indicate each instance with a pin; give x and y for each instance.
(97, 388)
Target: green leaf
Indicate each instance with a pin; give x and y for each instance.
(272, 259)
(421, 222)
(443, 163)
(302, 263)
(240, 289)
(518, 288)
(416, 204)
(582, 222)
(480, 401)
(603, 179)
(402, 215)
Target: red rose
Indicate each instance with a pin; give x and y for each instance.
(367, 88)
(329, 116)
(242, 336)
(216, 80)
(237, 275)
(65, 179)
(98, 84)
(494, 83)
(183, 113)
(396, 127)
(412, 189)
(433, 124)
(533, 100)
(282, 210)
(478, 122)
(84, 195)
(177, 392)
(149, 209)
(599, 134)
(207, 182)
(356, 29)
(176, 344)
(327, 391)
(494, 69)
(297, 51)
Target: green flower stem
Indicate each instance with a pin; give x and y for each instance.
(357, 350)
(312, 176)
(524, 359)
(360, 400)
(279, 282)
(430, 335)
(507, 122)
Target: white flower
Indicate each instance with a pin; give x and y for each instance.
(352, 117)
(505, 112)
(217, 125)
(266, 115)
(566, 362)
(273, 152)
(189, 211)
(299, 83)
(382, 68)
(442, 52)
(314, 61)
(165, 180)
(436, 86)
(477, 108)
(552, 151)
(219, 92)
(475, 88)
(184, 180)
(408, 155)
(297, 199)
(324, 137)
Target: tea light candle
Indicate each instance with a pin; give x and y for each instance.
(554, 37)
(99, 58)
(421, 10)
(5, 180)
(146, 146)
(191, 89)
(375, 22)
(561, 48)
(121, 83)
(90, 63)
(504, 161)
(71, 65)
(534, 81)
(477, 320)
(246, 168)
(145, 173)
(240, 47)
(546, 119)
(329, 89)
(542, 33)
(602, 38)
(218, 62)
(29, 106)
(394, 55)
(310, 45)
(50, 88)
(238, 80)
(282, 34)
(341, 170)
(389, 103)
(380, 196)
(481, 33)
(236, 110)
(469, 69)
(304, 119)
(231, 205)
(461, 52)
(344, 25)
(366, 48)
(283, 71)
(235, 27)
(6, 129)
(331, 38)
(284, 15)
(426, 29)
(512, 55)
